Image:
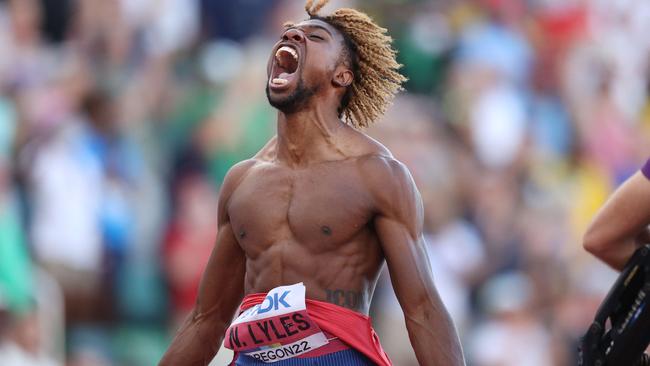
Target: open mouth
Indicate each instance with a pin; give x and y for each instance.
(286, 64)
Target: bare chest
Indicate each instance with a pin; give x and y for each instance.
(319, 207)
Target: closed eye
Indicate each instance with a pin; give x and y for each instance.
(313, 36)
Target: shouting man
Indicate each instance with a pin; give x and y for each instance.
(306, 225)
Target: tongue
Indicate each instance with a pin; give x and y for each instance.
(285, 75)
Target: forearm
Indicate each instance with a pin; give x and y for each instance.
(616, 254)
(196, 342)
(434, 339)
(619, 226)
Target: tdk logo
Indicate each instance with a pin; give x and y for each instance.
(271, 302)
(274, 302)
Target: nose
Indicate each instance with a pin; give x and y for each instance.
(294, 35)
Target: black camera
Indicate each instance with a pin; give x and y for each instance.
(620, 332)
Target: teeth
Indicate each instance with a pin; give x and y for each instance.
(288, 49)
(280, 81)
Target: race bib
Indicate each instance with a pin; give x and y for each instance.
(277, 329)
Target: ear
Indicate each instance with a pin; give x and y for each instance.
(342, 76)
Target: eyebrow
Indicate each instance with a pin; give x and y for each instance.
(294, 26)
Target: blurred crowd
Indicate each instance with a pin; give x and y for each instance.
(120, 118)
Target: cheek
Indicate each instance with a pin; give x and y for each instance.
(320, 64)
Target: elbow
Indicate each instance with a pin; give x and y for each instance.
(417, 308)
(425, 312)
(594, 243)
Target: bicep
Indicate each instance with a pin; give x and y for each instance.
(399, 228)
(222, 283)
(408, 264)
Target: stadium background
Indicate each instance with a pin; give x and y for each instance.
(119, 119)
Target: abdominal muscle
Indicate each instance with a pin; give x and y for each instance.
(345, 276)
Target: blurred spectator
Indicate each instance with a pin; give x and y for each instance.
(22, 346)
(67, 177)
(189, 240)
(512, 334)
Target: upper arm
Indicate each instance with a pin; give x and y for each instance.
(221, 289)
(398, 223)
(625, 214)
(222, 284)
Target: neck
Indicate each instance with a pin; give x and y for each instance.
(307, 136)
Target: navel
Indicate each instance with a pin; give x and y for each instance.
(242, 234)
(326, 230)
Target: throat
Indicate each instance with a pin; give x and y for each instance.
(308, 137)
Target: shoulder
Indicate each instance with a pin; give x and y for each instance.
(393, 191)
(382, 170)
(234, 176)
(238, 171)
(376, 163)
(389, 181)
(362, 145)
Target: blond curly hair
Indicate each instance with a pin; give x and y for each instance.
(376, 71)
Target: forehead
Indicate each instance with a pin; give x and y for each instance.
(317, 23)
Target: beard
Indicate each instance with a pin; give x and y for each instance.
(293, 102)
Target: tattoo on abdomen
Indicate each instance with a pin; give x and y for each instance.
(345, 298)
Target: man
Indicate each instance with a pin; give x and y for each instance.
(621, 225)
(314, 214)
